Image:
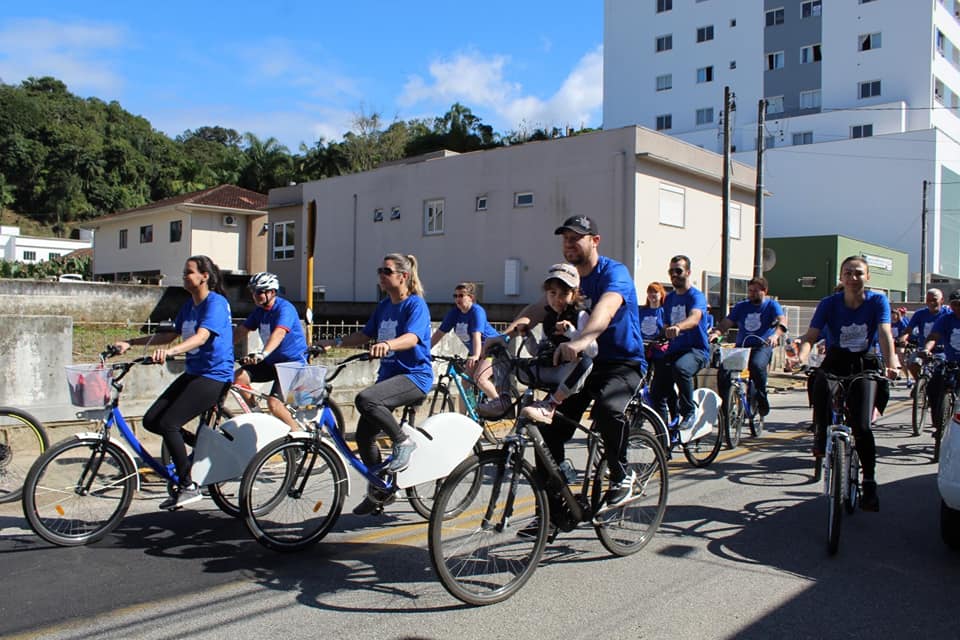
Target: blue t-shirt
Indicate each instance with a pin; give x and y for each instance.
(755, 320)
(676, 308)
(853, 330)
(464, 325)
(922, 320)
(898, 328)
(947, 327)
(213, 359)
(391, 321)
(621, 340)
(651, 326)
(293, 348)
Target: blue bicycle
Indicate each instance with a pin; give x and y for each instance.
(740, 403)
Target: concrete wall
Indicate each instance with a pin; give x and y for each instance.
(82, 301)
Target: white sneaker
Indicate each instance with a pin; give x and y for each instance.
(540, 411)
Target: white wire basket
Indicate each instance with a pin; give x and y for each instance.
(735, 358)
(303, 385)
(89, 384)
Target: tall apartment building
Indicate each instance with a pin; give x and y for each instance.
(861, 105)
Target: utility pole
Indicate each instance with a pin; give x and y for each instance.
(923, 244)
(725, 216)
(758, 203)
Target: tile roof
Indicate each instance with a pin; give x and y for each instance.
(226, 195)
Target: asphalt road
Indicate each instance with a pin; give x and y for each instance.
(741, 554)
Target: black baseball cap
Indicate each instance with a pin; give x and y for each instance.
(578, 224)
(955, 295)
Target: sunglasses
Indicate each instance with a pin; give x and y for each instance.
(676, 271)
(387, 271)
(461, 295)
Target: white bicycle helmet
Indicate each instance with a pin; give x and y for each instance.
(264, 281)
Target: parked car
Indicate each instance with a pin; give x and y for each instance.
(948, 482)
(70, 277)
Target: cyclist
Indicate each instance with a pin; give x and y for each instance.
(282, 336)
(651, 321)
(204, 324)
(946, 332)
(399, 330)
(564, 320)
(922, 322)
(758, 319)
(468, 320)
(685, 309)
(856, 318)
(619, 366)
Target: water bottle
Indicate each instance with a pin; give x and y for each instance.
(569, 473)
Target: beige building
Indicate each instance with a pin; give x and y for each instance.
(489, 216)
(149, 244)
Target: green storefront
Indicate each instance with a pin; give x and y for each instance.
(808, 267)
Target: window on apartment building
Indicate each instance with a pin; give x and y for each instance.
(810, 9)
(733, 22)
(769, 142)
(378, 215)
(774, 17)
(805, 137)
(861, 131)
(433, 217)
(869, 89)
(394, 213)
(664, 43)
(523, 199)
(122, 239)
(672, 206)
(664, 5)
(939, 40)
(810, 53)
(665, 82)
(864, 1)
(733, 64)
(705, 33)
(29, 255)
(176, 230)
(481, 203)
(734, 221)
(284, 240)
(774, 104)
(938, 90)
(868, 41)
(146, 234)
(664, 122)
(705, 116)
(810, 99)
(705, 74)
(775, 60)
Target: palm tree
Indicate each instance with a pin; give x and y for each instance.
(268, 164)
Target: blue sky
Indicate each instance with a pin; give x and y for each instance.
(301, 70)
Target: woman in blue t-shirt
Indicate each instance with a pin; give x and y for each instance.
(468, 320)
(399, 330)
(856, 319)
(205, 326)
(651, 322)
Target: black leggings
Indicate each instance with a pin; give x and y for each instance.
(185, 399)
(376, 405)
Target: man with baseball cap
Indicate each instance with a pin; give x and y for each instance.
(618, 368)
(945, 332)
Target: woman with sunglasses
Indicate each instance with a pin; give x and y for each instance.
(398, 333)
(468, 320)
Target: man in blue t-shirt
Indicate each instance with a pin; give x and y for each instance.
(945, 332)
(283, 341)
(685, 317)
(611, 298)
(922, 322)
(760, 322)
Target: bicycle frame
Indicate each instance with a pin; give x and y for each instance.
(454, 374)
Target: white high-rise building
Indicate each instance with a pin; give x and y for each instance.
(862, 101)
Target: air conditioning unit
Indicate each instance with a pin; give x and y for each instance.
(229, 221)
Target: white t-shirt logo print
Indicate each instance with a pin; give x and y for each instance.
(752, 322)
(387, 331)
(853, 337)
(678, 314)
(460, 330)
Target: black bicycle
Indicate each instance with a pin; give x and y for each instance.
(950, 388)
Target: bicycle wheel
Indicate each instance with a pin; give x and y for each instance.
(490, 548)
(919, 404)
(733, 409)
(946, 415)
(835, 495)
(78, 491)
(22, 440)
(851, 497)
(292, 493)
(756, 420)
(422, 496)
(628, 529)
(702, 451)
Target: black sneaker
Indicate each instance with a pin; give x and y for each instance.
(371, 504)
(870, 501)
(619, 493)
(763, 405)
(182, 496)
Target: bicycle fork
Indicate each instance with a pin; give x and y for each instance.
(835, 432)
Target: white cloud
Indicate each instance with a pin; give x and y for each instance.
(479, 81)
(67, 51)
(278, 61)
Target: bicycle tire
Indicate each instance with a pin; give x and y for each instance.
(423, 496)
(835, 495)
(481, 555)
(292, 493)
(733, 408)
(851, 496)
(919, 411)
(22, 440)
(61, 514)
(756, 420)
(627, 530)
(946, 415)
(702, 451)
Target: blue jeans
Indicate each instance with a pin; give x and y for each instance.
(676, 369)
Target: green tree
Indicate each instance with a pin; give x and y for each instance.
(268, 164)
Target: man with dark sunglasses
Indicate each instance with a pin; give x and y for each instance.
(685, 320)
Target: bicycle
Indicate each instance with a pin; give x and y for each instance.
(293, 490)
(22, 440)
(740, 401)
(442, 399)
(919, 392)
(701, 444)
(79, 490)
(951, 386)
(489, 526)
